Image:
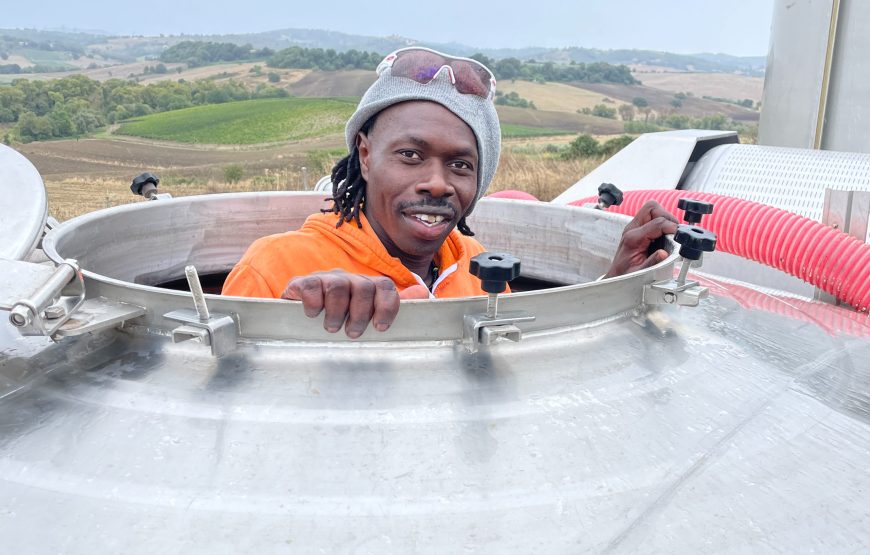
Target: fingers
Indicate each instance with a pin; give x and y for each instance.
(336, 301)
(642, 236)
(654, 259)
(631, 255)
(309, 290)
(386, 304)
(347, 300)
(658, 211)
(650, 210)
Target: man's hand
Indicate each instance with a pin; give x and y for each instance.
(350, 300)
(651, 222)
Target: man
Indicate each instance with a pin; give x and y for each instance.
(424, 145)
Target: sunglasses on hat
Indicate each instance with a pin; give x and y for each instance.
(423, 65)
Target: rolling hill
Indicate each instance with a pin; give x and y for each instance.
(245, 122)
(288, 119)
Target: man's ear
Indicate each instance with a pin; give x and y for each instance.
(364, 150)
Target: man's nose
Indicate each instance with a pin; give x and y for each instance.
(436, 182)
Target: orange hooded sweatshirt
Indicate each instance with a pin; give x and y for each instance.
(318, 246)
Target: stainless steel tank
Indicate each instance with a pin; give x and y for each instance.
(618, 422)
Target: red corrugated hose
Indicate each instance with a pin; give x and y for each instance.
(820, 255)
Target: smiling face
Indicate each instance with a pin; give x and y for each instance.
(420, 163)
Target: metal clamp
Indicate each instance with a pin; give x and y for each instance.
(52, 304)
(218, 331)
(482, 329)
(676, 291)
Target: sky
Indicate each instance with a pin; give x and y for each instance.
(738, 27)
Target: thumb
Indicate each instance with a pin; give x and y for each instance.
(414, 292)
(654, 259)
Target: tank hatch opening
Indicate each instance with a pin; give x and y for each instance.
(564, 250)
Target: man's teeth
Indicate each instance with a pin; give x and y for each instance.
(429, 219)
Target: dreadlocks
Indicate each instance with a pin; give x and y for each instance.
(349, 187)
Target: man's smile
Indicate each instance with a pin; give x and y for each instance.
(428, 224)
(436, 215)
(429, 219)
(430, 214)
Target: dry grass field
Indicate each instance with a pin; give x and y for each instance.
(660, 101)
(538, 174)
(240, 72)
(555, 97)
(721, 85)
(16, 59)
(571, 123)
(237, 72)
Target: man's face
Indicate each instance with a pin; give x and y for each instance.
(420, 163)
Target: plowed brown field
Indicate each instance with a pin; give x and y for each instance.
(123, 157)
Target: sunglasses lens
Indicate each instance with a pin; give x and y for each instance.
(471, 78)
(419, 65)
(422, 66)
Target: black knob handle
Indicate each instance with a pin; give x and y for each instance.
(694, 241)
(609, 195)
(495, 269)
(695, 209)
(144, 184)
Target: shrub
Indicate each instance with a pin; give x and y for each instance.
(233, 173)
(583, 146)
(603, 111)
(640, 127)
(513, 99)
(616, 144)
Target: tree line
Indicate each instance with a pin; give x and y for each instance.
(326, 60)
(530, 70)
(719, 122)
(201, 53)
(76, 105)
(297, 57)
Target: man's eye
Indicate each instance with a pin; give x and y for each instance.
(461, 165)
(410, 154)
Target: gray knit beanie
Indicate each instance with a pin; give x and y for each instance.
(477, 112)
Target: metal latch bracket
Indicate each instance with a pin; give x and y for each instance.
(480, 329)
(219, 331)
(669, 291)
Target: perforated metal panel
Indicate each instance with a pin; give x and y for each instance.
(793, 179)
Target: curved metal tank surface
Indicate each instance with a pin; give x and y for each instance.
(613, 425)
(22, 213)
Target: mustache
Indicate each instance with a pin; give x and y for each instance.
(430, 202)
